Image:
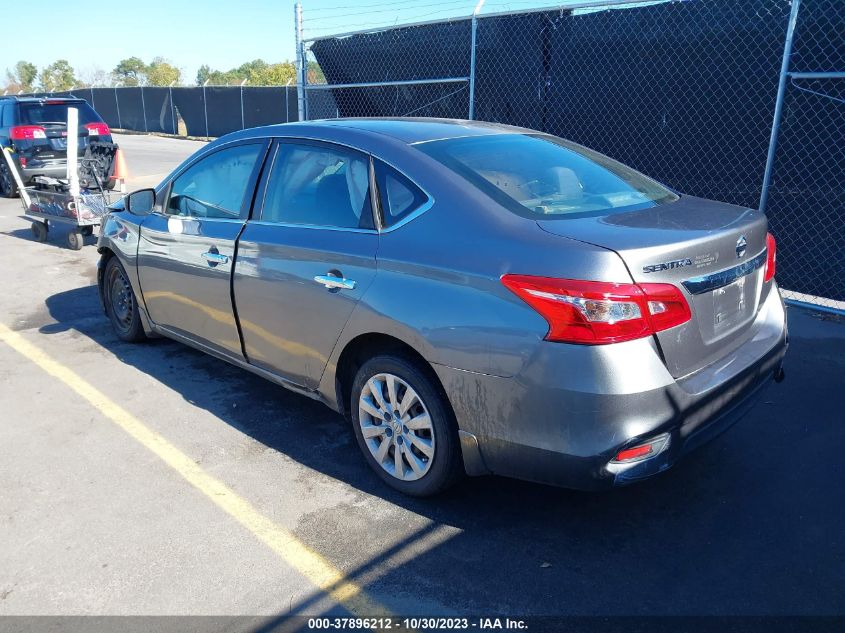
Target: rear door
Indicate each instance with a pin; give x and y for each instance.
(306, 257)
(186, 249)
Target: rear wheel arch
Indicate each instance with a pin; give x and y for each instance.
(371, 357)
(366, 346)
(105, 255)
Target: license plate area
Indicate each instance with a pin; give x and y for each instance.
(730, 304)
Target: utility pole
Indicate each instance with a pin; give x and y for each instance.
(301, 69)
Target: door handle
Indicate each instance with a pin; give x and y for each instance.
(330, 282)
(216, 258)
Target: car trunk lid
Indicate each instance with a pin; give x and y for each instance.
(714, 252)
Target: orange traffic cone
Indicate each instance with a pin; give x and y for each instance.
(119, 171)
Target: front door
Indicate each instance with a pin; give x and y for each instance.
(306, 259)
(187, 248)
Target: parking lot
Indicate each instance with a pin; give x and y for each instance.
(153, 479)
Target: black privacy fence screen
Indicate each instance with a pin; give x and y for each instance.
(201, 111)
(694, 93)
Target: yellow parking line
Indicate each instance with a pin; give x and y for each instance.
(306, 561)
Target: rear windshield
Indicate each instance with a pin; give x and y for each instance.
(41, 113)
(545, 177)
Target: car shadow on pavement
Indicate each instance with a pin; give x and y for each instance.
(748, 524)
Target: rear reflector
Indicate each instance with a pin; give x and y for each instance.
(771, 257)
(27, 132)
(633, 453)
(642, 451)
(97, 129)
(597, 312)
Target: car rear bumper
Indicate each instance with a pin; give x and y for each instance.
(53, 170)
(563, 419)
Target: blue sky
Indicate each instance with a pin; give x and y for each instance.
(221, 33)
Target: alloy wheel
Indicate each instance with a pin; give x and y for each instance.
(396, 427)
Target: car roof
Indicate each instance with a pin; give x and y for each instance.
(406, 130)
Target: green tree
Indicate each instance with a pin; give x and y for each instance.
(250, 68)
(57, 76)
(203, 74)
(22, 76)
(161, 72)
(315, 73)
(273, 75)
(131, 71)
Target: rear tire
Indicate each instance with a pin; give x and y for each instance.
(75, 240)
(39, 231)
(121, 304)
(400, 408)
(8, 186)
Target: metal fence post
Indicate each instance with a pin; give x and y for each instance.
(205, 106)
(473, 39)
(144, 110)
(301, 65)
(776, 119)
(117, 107)
(172, 108)
(243, 125)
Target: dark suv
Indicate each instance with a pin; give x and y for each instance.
(36, 130)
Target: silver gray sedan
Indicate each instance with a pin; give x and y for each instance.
(474, 298)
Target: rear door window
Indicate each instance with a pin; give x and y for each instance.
(399, 196)
(319, 185)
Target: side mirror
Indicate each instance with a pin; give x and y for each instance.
(141, 202)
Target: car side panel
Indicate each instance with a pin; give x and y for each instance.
(461, 315)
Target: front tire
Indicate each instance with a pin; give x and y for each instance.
(405, 427)
(121, 304)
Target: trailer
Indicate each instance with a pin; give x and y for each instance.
(79, 202)
(49, 205)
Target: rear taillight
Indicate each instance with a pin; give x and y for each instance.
(97, 129)
(771, 257)
(597, 312)
(27, 132)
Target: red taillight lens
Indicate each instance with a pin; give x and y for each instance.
(596, 312)
(97, 129)
(667, 306)
(27, 132)
(771, 257)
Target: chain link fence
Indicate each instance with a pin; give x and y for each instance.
(687, 92)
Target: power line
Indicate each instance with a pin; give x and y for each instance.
(386, 4)
(422, 6)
